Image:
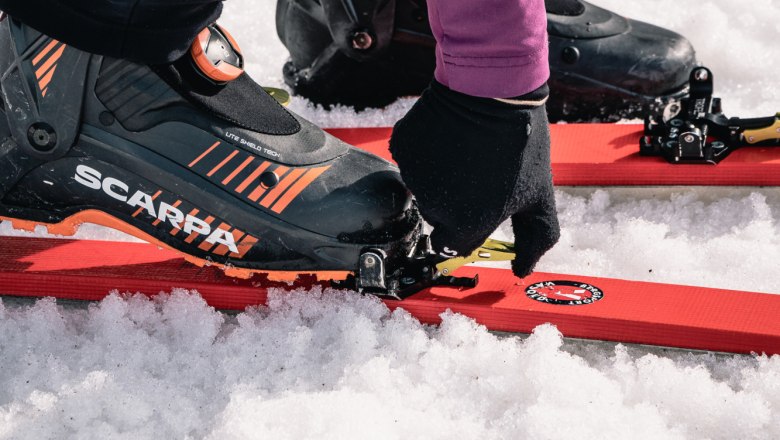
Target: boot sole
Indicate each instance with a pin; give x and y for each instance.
(68, 227)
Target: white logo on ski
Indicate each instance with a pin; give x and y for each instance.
(577, 297)
(564, 292)
(115, 188)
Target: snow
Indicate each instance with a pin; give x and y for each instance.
(714, 237)
(334, 365)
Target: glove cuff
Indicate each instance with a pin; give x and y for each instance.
(536, 98)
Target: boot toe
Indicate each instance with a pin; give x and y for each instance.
(360, 198)
(643, 60)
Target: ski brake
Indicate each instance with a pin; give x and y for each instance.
(694, 130)
(419, 272)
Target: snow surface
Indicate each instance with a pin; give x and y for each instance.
(333, 365)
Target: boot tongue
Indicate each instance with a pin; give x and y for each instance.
(212, 77)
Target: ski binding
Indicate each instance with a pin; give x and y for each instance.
(694, 130)
(420, 271)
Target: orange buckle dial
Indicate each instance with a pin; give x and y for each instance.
(217, 55)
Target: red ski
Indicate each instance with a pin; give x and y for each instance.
(581, 307)
(608, 155)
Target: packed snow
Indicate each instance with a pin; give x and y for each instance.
(336, 365)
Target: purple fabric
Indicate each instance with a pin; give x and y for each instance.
(490, 48)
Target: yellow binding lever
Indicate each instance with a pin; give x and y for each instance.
(281, 96)
(492, 250)
(768, 133)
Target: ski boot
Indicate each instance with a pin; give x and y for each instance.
(368, 53)
(607, 67)
(192, 156)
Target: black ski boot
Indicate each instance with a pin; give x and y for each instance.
(368, 53)
(606, 67)
(193, 156)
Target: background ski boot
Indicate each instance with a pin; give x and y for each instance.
(607, 67)
(193, 156)
(367, 53)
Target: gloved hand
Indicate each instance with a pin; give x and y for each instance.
(474, 162)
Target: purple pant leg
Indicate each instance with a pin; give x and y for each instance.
(490, 48)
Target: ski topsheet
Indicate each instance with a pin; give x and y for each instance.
(581, 307)
(608, 155)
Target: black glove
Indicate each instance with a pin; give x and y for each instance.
(474, 162)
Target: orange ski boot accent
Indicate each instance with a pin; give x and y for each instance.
(69, 226)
